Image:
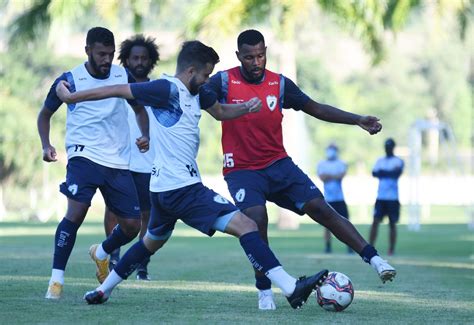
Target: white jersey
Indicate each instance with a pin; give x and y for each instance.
(388, 186)
(98, 130)
(176, 138)
(332, 188)
(140, 162)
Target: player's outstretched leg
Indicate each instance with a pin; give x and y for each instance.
(262, 259)
(345, 231)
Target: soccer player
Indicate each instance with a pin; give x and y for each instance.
(256, 165)
(176, 188)
(98, 149)
(139, 56)
(331, 171)
(388, 170)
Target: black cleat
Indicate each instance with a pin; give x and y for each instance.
(95, 297)
(304, 287)
(143, 275)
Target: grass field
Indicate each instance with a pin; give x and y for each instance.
(201, 280)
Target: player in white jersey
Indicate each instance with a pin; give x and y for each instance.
(139, 56)
(177, 191)
(331, 171)
(98, 148)
(388, 170)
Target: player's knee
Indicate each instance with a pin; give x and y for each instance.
(131, 228)
(246, 224)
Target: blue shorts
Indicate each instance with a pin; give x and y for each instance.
(196, 205)
(340, 207)
(84, 177)
(142, 184)
(390, 208)
(283, 183)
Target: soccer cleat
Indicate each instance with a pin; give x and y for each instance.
(54, 291)
(95, 297)
(265, 300)
(102, 265)
(386, 271)
(143, 275)
(304, 287)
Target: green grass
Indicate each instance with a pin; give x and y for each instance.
(202, 280)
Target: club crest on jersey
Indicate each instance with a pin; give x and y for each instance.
(220, 199)
(240, 195)
(271, 102)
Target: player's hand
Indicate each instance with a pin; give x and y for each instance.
(62, 91)
(370, 123)
(143, 144)
(253, 105)
(49, 154)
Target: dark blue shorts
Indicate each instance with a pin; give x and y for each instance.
(390, 208)
(84, 177)
(340, 207)
(142, 184)
(196, 205)
(283, 183)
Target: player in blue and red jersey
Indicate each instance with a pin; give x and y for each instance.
(256, 165)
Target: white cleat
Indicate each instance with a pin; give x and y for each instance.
(386, 271)
(265, 300)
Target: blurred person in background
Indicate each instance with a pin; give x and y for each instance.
(388, 170)
(331, 171)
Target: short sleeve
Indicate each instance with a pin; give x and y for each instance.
(293, 96)
(52, 101)
(213, 88)
(206, 98)
(151, 93)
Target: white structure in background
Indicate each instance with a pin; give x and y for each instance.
(438, 133)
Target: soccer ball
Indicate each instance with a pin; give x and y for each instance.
(336, 292)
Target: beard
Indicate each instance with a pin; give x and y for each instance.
(194, 87)
(140, 71)
(102, 71)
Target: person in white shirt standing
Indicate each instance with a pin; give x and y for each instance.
(98, 150)
(388, 170)
(139, 55)
(331, 171)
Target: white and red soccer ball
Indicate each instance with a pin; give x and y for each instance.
(336, 292)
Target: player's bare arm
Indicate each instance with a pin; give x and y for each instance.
(121, 91)
(230, 111)
(43, 123)
(143, 142)
(335, 115)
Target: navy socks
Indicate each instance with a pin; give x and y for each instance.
(132, 259)
(63, 243)
(258, 253)
(367, 253)
(115, 240)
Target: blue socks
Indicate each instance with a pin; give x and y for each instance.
(258, 253)
(63, 243)
(132, 259)
(115, 240)
(367, 253)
